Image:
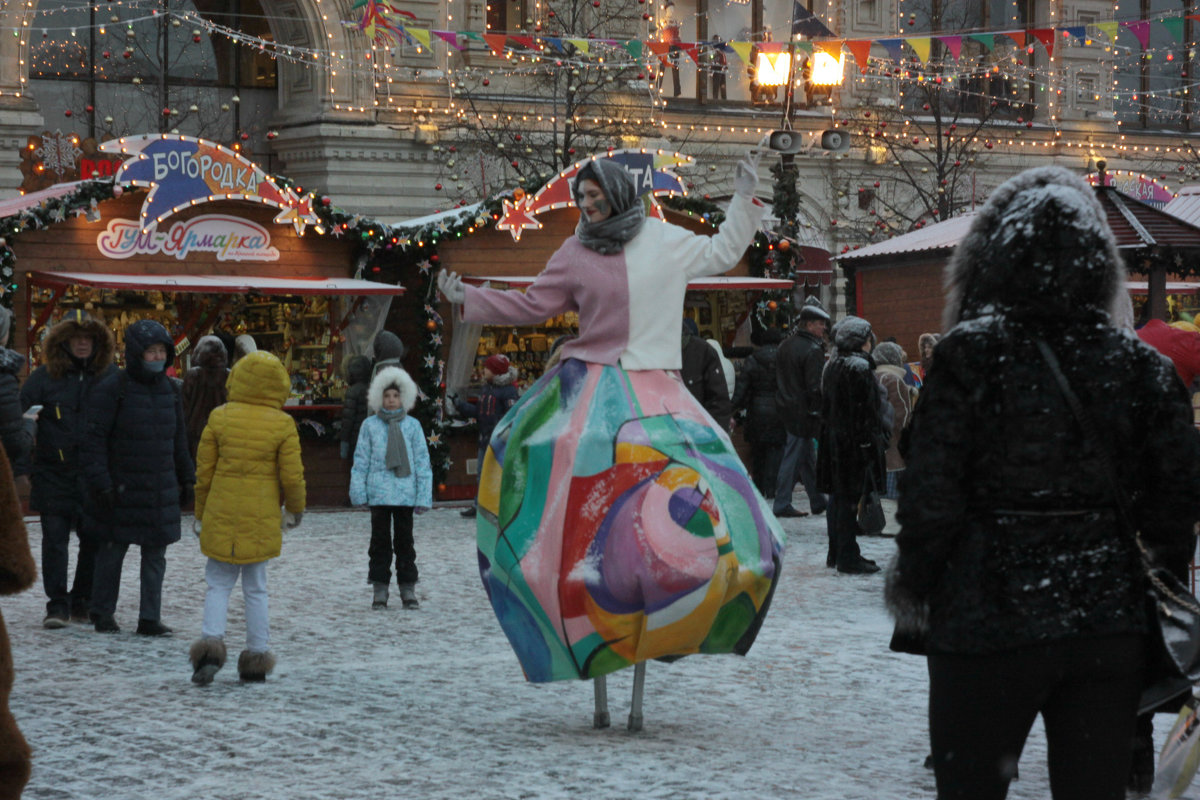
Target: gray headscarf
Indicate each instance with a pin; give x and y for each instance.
(609, 236)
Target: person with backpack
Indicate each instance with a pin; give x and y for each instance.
(136, 466)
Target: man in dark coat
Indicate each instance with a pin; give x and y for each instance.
(204, 387)
(136, 465)
(801, 361)
(850, 454)
(756, 392)
(704, 375)
(354, 404)
(76, 353)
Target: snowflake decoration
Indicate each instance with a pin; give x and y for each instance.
(58, 153)
(430, 361)
(424, 266)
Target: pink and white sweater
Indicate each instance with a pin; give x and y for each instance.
(630, 304)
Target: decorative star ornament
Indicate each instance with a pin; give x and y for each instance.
(516, 217)
(424, 266)
(435, 439)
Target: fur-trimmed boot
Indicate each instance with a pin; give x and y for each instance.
(254, 667)
(207, 656)
(408, 595)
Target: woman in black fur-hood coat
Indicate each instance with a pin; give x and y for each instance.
(1010, 551)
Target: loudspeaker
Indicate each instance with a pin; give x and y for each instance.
(838, 141)
(786, 141)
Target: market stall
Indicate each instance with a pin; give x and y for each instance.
(220, 262)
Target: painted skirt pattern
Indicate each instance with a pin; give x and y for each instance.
(617, 525)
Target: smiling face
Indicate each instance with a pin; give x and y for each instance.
(592, 203)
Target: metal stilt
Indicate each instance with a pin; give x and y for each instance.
(600, 686)
(635, 708)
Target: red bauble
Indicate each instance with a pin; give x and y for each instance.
(196, 39)
(67, 113)
(107, 54)
(245, 137)
(325, 201)
(486, 82)
(89, 108)
(435, 258)
(517, 137)
(166, 112)
(570, 151)
(438, 187)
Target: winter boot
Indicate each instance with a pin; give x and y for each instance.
(152, 627)
(409, 596)
(253, 667)
(381, 596)
(207, 657)
(105, 623)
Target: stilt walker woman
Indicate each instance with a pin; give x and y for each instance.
(616, 523)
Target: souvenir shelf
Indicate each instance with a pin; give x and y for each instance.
(527, 347)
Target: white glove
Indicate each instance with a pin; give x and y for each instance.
(451, 407)
(452, 287)
(196, 527)
(745, 176)
(291, 520)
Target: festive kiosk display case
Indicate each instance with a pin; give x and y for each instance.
(220, 262)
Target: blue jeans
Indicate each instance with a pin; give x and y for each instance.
(799, 456)
(107, 585)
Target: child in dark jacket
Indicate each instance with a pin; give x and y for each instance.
(354, 404)
(497, 397)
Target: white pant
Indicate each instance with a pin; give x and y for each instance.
(221, 577)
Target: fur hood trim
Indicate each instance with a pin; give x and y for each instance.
(56, 347)
(1040, 248)
(387, 378)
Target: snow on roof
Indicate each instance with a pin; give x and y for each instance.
(1186, 204)
(216, 284)
(18, 204)
(939, 236)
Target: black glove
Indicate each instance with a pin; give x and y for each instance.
(105, 500)
(186, 495)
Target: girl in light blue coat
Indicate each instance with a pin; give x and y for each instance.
(392, 474)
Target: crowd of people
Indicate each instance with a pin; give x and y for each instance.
(1016, 573)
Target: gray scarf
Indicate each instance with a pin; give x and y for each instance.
(608, 236)
(396, 457)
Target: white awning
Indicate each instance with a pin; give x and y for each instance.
(1173, 287)
(700, 284)
(215, 284)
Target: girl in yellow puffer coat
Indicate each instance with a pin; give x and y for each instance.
(249, 454)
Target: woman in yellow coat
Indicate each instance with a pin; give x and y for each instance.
(249, 455)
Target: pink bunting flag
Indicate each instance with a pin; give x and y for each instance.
(953, 44)
(449, 37)
(1140, 29)
(861, 50)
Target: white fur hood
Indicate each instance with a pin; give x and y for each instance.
(387, 377)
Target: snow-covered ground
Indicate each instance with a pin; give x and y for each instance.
(431, 703)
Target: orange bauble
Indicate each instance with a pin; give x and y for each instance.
(784, 245)
(772, 305)
(518, 195)
(431, 325)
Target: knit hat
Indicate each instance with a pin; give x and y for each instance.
(812, 309)
(851, 334)
(889, 353)
(497, 364)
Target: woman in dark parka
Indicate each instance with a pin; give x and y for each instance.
(204, 387)
(756, 391)
(1010, 551)
(136, 465)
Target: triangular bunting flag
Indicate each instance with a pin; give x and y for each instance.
(421, 35)
(805, 46)
(953, 44)
(472, 35)
(1109, 29)
(861, 50)
(1078, 31)
(772, 47)
(922, 45)
(523, 41)
(634, 48)
(581, 45)
(496, 42)
(1140, 29)
(692, 50)
(893, 48)
(1174, 26)
(804, 23)
(742, 49)
(660, 49)
(1046, 37)
(1016, 36)
(554, 42)
(986, 39)
(449, 37)
(832, 48)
